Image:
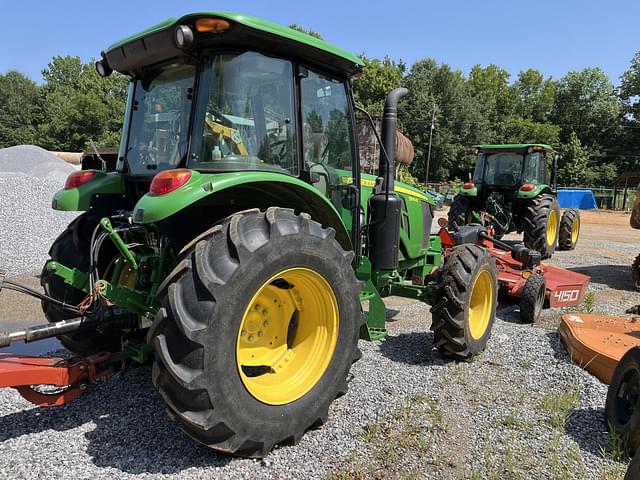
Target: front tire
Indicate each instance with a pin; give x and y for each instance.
(459, 212)
(541, 223)
(467, 291)
(622, 408)
(569, 229)
(532, 299)
(257, 332)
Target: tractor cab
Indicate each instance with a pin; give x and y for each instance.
(510, 191)
(510, 167)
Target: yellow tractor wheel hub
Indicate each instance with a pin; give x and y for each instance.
(287, 336)
(552, 227)
(480, 304)
(575, 230)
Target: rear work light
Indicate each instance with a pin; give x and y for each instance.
(79, 178)
(211, 25)
(169, 180)
(527, 187)
(468, 185)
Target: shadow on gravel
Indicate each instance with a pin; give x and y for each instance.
(132, 432)
(614, 276)
(414, 348)
(586, 426)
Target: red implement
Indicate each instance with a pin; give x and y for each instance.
(564, 288)
(598, 342)
(70, 375)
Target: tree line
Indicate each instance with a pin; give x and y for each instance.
(592, 123)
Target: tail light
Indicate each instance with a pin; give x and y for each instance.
(468, 185)
(79, 178)
(527, 187)
(169, 180)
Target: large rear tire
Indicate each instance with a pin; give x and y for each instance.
(467, 291)
(569, 229)
(257, 332)
(541, 224)
(459, 212)
(622, 408)
(71, 249)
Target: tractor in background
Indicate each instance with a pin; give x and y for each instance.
(510, 191)
(236, 239)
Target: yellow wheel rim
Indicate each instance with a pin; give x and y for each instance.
(552, 227)
(575, 230)
(480, 304)
(287, 336)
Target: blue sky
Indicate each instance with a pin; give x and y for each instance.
(552, 36)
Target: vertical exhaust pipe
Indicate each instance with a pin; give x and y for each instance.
(385, 205)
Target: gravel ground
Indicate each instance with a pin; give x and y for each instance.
(520, 410)
(28, 223)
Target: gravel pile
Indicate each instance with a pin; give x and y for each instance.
(496, 417)
(35, 162)
(29, 176)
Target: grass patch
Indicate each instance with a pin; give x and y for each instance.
(616, 448)
(559, 406)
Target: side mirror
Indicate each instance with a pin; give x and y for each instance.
(349, 198)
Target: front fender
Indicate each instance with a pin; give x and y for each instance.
(242, 190)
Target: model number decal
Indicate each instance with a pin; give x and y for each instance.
(566, 295)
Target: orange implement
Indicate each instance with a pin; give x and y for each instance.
(72, 376)
(598, 342)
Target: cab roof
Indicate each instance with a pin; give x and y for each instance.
(513, 147)
(156, 44)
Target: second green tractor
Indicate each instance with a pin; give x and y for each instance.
(510, 191)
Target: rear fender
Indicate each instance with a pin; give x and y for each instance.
(79, 199)
(538, 190)
(207, 198)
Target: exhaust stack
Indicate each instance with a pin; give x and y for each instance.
(384, 205)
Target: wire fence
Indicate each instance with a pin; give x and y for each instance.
(606, 197)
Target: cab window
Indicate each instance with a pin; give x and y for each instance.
(326, 128)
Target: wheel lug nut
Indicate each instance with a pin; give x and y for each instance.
(251, 338)
(243, 333)
(260, 333)
(265, 323)
(257, 307)
(264, 312)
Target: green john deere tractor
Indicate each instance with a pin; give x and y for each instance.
(510, 191)
(236, 239)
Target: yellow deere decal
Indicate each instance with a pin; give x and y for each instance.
(365, 182)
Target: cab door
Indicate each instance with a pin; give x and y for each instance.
(328, 144)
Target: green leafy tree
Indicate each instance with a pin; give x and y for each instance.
(379, 77)
(574, 164)
(19, 109)
(586, 104)
(535, 95)
(295, 26)
(79, 105)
